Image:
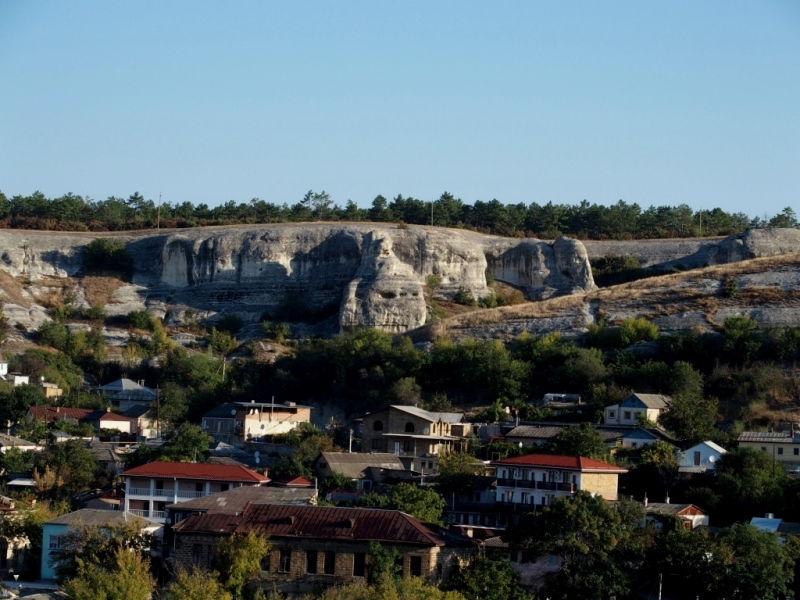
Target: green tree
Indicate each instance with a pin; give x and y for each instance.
(579, 440)
(187, 443)
(196, 585)
(239, 561)
(15, 460)
(406, 391)
(384, 564)
(15, 402)
(174, 404)
(596, 541)
(425, 504)
(27, 525)
(487, 579)
(692, 419)
(457, 471)
(739, 339)
(74, 466)
(751, 481)
(637, 329)
(107, 255)
(128, 579)
(222, 341)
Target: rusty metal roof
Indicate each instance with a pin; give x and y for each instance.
(323, 523)
(181, 470)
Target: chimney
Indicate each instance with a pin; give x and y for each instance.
(666, 500)
(770, 515)
(645, 500)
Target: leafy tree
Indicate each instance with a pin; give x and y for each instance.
(196, 585)
(384, 564)
(103, 255)
(277, 331)
(406, 391)
(140, 319)
(751, 481)
(239, 561)
(579, 440)
(27, 526)
(74, 467)
(595, 540)
(464, 296)
(15, 460)
(187, 443)
(174, 404)
(439, 403)
(488, 579)
(222, 341)
(92, 545)
(637, 329)
(739, 340)
(692, 419)
(128, 579)
(15, 402)
(457, 471)
(425, 504)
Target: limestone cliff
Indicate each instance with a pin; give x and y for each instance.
(368, 274)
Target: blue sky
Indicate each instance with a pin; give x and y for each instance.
(650, 102)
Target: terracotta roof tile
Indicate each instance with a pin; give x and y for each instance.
(180, 470)
(570, 463)
(54, 413)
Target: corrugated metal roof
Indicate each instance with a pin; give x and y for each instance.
(99, 517)
(768, 436)
(236, 500)
(321, 523)
(665, 508)
(569, 463)
(649, 400)
(434, 417)
(180, 470)
(223, 411)
(353, 465)
(532, 431)
(134, 412)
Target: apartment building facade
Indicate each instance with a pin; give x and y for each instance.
(151, 487)
(534, 480)
(237, 423)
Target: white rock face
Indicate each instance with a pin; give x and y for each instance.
(361, 275)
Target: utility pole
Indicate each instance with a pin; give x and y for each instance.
(350, 445)
(158, 218)
(660, 581)
(431, 213)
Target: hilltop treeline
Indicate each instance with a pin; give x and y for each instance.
(584, 220)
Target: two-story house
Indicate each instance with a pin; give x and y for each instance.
(700, 458)
(313, 547)
(782, 445)
(236, 423)
(538, 479)
(125, 393)
(151, 487)
(417, 436)
(637, 407)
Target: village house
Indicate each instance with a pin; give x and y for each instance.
(700, 458)
(236, 423)
(635, 408)
(477, 505)
(365, 470)
(782, 445)
(125, 393)
(538, 479)
(145, 421)
(10, 441)
(690, 515)
(54, 530)
(56, 413)
(319, 546)
(105, 419)
(417, 436)
(151, 487)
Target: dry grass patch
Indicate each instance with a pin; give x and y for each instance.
(100, 289)
(13, 290)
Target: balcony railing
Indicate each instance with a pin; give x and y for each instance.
(520, 483)
(164, 493)
(149, 514)
(190, 494)
(139, 492)
(546, 485)
(566, 487)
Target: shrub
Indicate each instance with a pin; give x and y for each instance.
(140, 319)
(613, 269)
(95, 313)
(730, 287)
(434, 281)
(222, 341)
(277, 331)
(104, 255)
(230, 323)
(489, 276)
(464, 296)
(637, 330)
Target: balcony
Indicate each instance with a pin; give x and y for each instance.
(163, 493)
(190, 494)
(505, 482)
(149, 514)
(546, 485)
(139, 492)
(566, 487)
(519, 483)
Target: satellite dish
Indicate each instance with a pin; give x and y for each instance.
(233, 412)
(258, 460)
(711, 459)
(426, 431)
(168, 521)
(257, 454)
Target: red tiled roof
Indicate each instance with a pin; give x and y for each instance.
(181, 470)
(568, 463)
(299, 481)
(319, 522)
(57, 412)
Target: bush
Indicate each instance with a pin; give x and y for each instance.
(464, 296)
(613, 269)
(230, 323)
(104, 255)
(277, 331)
(140, 319)
(222, 341)
(730, 287)
(95, 313)
(434, 281)
(489, 276)
(637, 330)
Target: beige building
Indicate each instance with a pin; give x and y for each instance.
(238, 422)
(783, 446)
(636, 407)
(366, 470)
(538, 479)
(313, 547)
(417, 436)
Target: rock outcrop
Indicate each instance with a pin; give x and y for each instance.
(365, 274)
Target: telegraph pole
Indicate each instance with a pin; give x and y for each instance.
(158, 218)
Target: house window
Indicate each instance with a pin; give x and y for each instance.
(285, 563)
(634, 444)
(612, 414)
(408, 445)
(626, 415)
(696, 459)
(377, 444)
(359, 564)
(330, 563)
(377, 426)
(212, 557)
(780, 450)
(311, 562)
(796, 451)
(55, 542)
(409, 427)
(197, 554)
(763, 448)
(415, 566)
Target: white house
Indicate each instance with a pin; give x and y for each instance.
(636, 407)
(700, 458)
